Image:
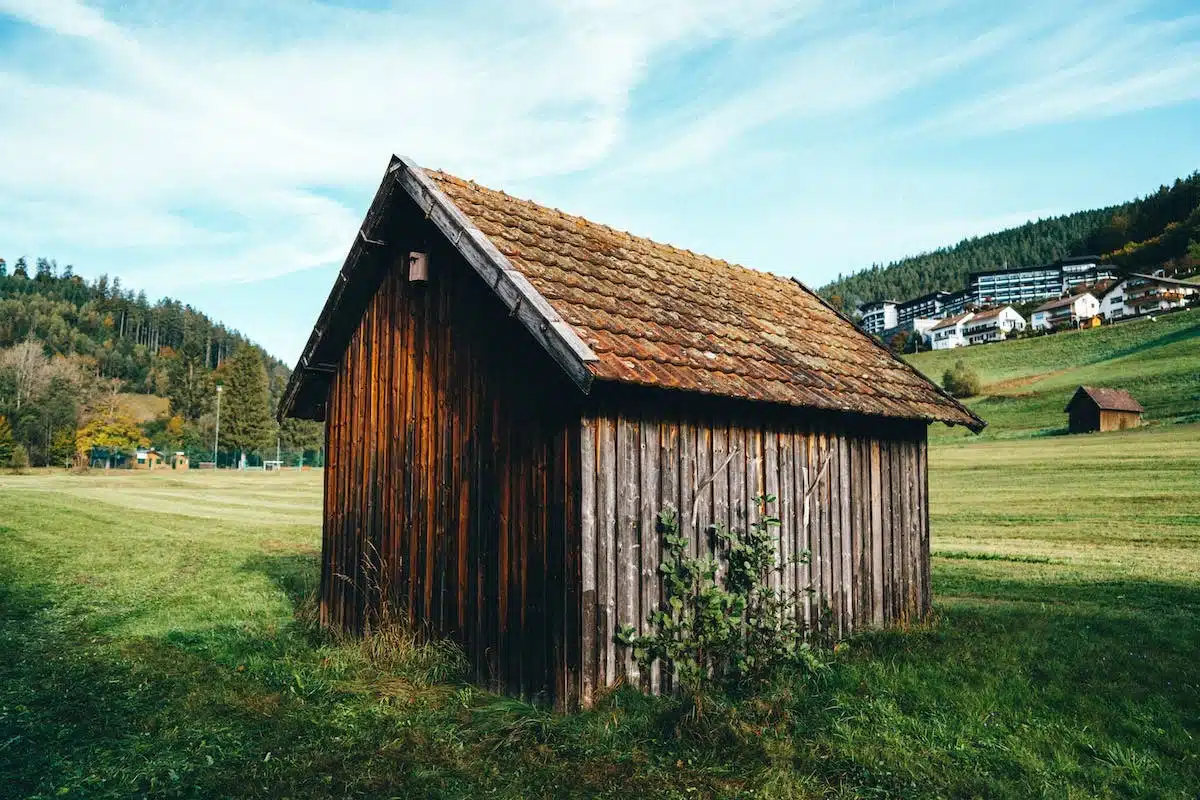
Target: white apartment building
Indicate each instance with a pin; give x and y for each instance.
(878, 317)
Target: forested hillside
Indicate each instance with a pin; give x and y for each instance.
(72, 351)
(1160, 229)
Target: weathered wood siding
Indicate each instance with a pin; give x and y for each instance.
(866, 523)
(1119, 420)
(446, 493)
(1084, 416)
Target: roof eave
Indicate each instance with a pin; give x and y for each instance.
(975, 426)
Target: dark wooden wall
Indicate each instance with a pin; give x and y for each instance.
(867, 530)
(1083, 416)
(446, 494)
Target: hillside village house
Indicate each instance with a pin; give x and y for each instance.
(1150, 294)
(948, 334)
(992, 325)
(1067, 312)
(1112, 302)
(511, 394)
(1099, 409)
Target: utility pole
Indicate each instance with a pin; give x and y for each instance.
(217, 433)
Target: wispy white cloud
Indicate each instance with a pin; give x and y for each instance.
(1092, 62)
(184, 116)
(232, 141)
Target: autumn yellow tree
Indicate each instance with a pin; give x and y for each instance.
(114, 432)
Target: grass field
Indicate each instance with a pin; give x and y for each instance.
(157, 642)
(1029, 381)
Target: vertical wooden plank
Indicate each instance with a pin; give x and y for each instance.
(687, 482)
(429, 460)
(845, 487)
(706, 513)
(739, 466)
(897, 531)
(802, 448)
(628, 562)
(720, 485)
(862, 504)
(752, 437)
(820, 534)
(926, 534)
(889, 533)
(588, 546)
(905, 543)
(877, 533)
(606, 552)
(911, 474)
(412, 454)
(566, 538)
(648, 539)
(829, 534)
(669, 494)
(787, 516)
(503, 555)
(770, 487)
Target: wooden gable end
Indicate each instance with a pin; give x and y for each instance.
(450, 437)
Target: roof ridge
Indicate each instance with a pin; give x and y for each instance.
(621, 231)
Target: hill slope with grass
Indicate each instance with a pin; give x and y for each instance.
(1027, 382)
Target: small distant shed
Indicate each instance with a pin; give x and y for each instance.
(1099, 409)
(146, 459)
(180, 461)
(512, 393)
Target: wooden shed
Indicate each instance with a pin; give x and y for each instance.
(511, 394)
(1098, 409)
(146, 459)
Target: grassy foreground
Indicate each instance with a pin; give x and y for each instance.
(156, 642)
(1027, 382)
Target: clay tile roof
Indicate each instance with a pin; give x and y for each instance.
(660, 316)
(988, 314)
(1111, 399)
(950, 322)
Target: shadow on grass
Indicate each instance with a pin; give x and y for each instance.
(296, 574)
(1024, 687)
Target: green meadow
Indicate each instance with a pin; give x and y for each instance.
(1027, 382)
(158, 641)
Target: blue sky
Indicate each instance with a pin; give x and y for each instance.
(225, 152)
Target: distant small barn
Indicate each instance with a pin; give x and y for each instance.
(180, 460)
(1099, 409)
(511, 394)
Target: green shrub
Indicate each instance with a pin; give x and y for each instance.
(961, 380)
(729, 631)
(19, 460)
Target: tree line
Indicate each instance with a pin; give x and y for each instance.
(75, 355)
(1159, 230)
